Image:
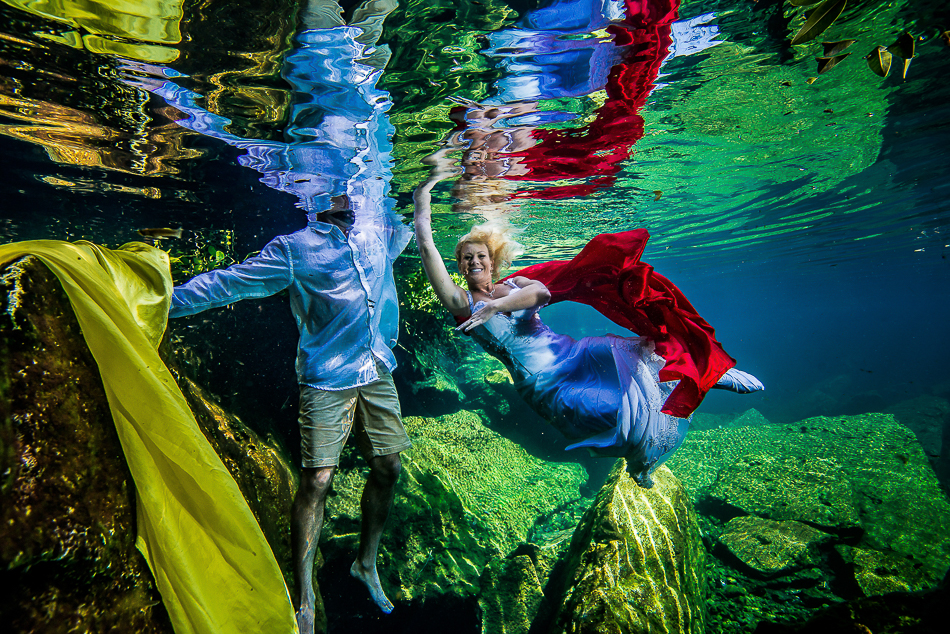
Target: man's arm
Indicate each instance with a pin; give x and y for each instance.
(259, 276)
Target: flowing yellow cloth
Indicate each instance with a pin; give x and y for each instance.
(212, 564)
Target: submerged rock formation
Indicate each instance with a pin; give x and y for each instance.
(636, 562)
(808, 514)
(67, 538)
(779, 487)
(465, 497)
(772, 548)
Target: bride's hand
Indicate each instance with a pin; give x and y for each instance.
(479, 317)
(443, 166)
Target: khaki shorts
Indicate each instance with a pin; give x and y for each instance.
(328, 416)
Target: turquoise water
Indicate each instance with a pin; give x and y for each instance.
(807, 221)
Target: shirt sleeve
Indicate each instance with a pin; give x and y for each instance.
(397, 237)
(264, 274)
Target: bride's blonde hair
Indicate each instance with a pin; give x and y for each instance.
(497, 237)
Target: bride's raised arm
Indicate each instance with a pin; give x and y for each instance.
(450, 294)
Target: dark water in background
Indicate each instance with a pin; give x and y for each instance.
(807, 222)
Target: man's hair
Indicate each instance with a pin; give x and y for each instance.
(502, 248)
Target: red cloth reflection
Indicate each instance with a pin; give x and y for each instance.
(598, 149)
(609, 276)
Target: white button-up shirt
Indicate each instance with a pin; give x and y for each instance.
(342, 295)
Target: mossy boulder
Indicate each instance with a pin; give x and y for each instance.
(770, 548)
(636, 562)
(512, 592)
(805, 489)
(67, 536)
(810, 466)
(882, 573)
(466, 496)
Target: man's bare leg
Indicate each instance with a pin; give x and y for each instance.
(375, 504)
(305, 525)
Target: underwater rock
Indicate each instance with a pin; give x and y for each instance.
(67, 537)
(882, 573)
(512, 591)
(499, 378)
(773, 548)
(812, 490)
(636, 562)
(926, 416)
(466, 496)
(897, 612)
(751, 416)
(898, 500)
(67, 503)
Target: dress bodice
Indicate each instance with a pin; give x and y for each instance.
(520, 339)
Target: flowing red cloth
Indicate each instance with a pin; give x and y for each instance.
(598, 150)
(609, 276)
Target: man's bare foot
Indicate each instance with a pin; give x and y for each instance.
(305, 619)
(371, 580)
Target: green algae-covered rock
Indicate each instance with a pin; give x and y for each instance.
(772, 548)
(882, 573)
(67, 504)
(806, 489)
(466, 496)
(67, 536)
(512, 591)
(636, 562)
(899, 503)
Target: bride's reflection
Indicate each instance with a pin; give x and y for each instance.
(567, 53)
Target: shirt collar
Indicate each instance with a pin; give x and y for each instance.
(324, 228)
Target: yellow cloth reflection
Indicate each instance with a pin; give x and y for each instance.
(103, 26)
(213, 566)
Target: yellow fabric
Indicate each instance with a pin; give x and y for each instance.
(212, 564)
(145, 30)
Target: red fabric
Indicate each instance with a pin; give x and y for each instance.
(600, 148)
(609, 276)
(643, 14)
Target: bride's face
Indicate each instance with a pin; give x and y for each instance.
(475, 263)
